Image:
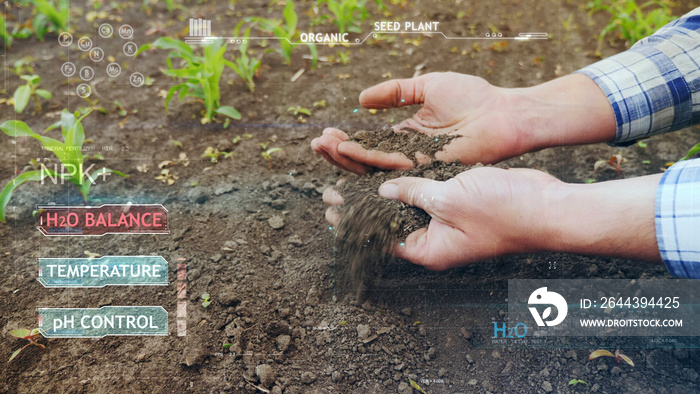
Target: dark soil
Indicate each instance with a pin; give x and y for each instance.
(407, 141)
(371, 224)
(276, 290)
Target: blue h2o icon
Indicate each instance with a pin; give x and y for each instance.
(519, 331)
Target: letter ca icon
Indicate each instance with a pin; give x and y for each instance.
(543, 297)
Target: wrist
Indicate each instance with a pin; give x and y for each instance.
(571, 110)
(614, 218)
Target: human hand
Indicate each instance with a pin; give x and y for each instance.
(479, 214)
(451, 103)
(494, 123)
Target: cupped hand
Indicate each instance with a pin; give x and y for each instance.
(451, 103)
(479, 214)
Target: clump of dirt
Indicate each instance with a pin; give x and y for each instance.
(370, 224)
(408, 141)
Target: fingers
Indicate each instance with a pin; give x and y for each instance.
(374, 158)
(332, 197)
(418, 192)
(327, 146)
(396, 93)
(332, 216)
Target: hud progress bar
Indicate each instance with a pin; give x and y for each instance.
(521, 37)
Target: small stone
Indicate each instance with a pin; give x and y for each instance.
(547, 386)
(363, 331)
(216, 257)
(229, 246)
(442, 372)
(276, 390)
(508, 369)
(278, 203)
(571, 354)
(544, 373)
(406, 311)
(141, 356)
(466, 333)
(615, 370)
(496, 354)
(227, 188)
(400, 367)
(276, 222)
(308, 377)
(295, 240)
(404, 388)
(595, 387)
(283, 342)
(266, 374)
(602, 367)
(284, 312)
(472, 382)
(592, 270)
(336, 376)
(469, 358)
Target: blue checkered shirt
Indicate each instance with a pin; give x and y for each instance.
(654, 87)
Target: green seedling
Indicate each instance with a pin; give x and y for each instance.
(51, 16)
(69, 152)
(299, 110)
(213, 154)
(267, 154)
(344, 57)
(692, 152)
(23, 66)
(246, 67)
(617, 356)
(574, 382)
(286, 32)
(630, 20)
(227, 345)
(30, 336)
(5, 36)
(206, 300)
(92, 106)
(201, 75)
(349, 14)
(30, 90)
(320, 104)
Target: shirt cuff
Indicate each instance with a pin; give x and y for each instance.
(678, 219)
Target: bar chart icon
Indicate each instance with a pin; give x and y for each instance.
(200, 27)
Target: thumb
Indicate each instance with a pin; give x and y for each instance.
(417, 192)
(395, 93)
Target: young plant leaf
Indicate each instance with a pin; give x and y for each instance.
(600, 353)
(15, 354)
(20, 179)
(695, 149)
(22, 95)
(21, 333)
(228, 111)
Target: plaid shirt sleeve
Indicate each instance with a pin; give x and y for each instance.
(678, 218)
(654, 87)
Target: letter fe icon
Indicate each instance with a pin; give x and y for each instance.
(543, 297)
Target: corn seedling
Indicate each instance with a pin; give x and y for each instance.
(30, 90)
(286, 32)
(5, 36)
(694, 150)
(246, 67)
(575, 382)
(213, 154)
(51, 16)
(69, 152)
(267, 154)
(349, 14)
(30, 336)
(299, 110)
(630, 20)
(202, 75)
(320, 104)
(617, 356)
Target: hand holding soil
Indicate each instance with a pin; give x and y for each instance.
(494, 123)
(478, 214)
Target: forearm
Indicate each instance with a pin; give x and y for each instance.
(571, 110)
(614, 218)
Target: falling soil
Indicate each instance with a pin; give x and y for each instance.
(371, 224)
(408, 141)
